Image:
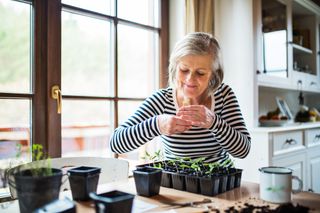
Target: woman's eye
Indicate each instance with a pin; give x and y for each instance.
(200, 73)
(184, 70)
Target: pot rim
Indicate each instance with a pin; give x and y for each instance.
(276, 170)
(103, 197)
(151, 170)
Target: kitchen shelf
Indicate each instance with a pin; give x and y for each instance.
(301, 49)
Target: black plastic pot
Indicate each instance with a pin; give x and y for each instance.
(113, 202)
(147, 181)
(166, 180)
(83, 180)
(192, 184)
(64, 205)
(223, 179)
(230, 180)
(237, 180)
(178, 181)
(210, 185)
(36, 191)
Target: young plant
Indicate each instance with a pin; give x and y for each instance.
(227, 164)
(155, 159)
(181, 163)
(158, 157)
(197, 165)
(212, 168)
(41, 166)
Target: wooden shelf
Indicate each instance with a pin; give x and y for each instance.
(301, 49)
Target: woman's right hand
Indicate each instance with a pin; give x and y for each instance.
(171, 124)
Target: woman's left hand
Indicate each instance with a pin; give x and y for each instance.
(200, 115)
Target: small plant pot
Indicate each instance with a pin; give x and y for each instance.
(12, 182)
(36, 191)
(223, 178)
(178, 181)
(64, 205)
(112, 202)
(166, 180)
(147, 181)
(237, 180)
(83, 180)
(192, 184)
(230, 180)
(210, 185)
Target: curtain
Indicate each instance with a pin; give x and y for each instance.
(199, 16)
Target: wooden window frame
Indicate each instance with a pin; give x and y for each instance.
(47, 59)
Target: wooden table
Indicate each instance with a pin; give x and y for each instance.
(247, 193)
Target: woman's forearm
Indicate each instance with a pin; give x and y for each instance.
(127, 138)
(234, 139)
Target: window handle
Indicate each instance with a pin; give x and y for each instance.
(56, 94)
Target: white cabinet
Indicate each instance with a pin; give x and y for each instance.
(297, 162)
(304, 45)
(287, 36)
(286, 142)
(296, 147)
(312, 137)
(313, 170)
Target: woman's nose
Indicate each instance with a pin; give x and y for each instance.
(190, 76)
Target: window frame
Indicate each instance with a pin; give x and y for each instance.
(46, 69)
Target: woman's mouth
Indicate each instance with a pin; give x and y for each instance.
(190, 86)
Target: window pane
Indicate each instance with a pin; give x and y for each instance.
(138, 61)
(126, 109)
(143, 11)
(15, 46)
(14, 136)
(100, 6)
(86, 56)
(86, 129)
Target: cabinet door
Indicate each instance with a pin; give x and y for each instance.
(272, 35)
(313, 163)
(312, 137)
(296, 162)
(303, 40)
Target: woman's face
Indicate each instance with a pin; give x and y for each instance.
(193, 75)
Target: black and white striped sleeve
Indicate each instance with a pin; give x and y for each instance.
(141, 127)
(229, 127)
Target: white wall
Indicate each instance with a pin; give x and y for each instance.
(234, 30)
(176, 21)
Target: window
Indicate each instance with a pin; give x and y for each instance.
(96, 52)
(16, 95)
(107, 50)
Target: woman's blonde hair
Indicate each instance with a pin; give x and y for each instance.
(198, 43)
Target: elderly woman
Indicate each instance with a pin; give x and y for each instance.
(196, 116)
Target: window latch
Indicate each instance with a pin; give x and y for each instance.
(56, 94)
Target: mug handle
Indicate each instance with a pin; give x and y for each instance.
(299, 189)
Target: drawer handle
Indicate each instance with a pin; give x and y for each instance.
(290, 142)
(313, 83)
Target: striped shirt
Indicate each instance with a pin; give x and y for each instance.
(227, 135)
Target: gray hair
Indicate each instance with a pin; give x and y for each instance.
(198, 43)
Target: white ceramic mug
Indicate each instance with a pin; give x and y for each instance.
(276, 184)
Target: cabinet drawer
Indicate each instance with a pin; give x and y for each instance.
(287, 142)
(312, 137)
